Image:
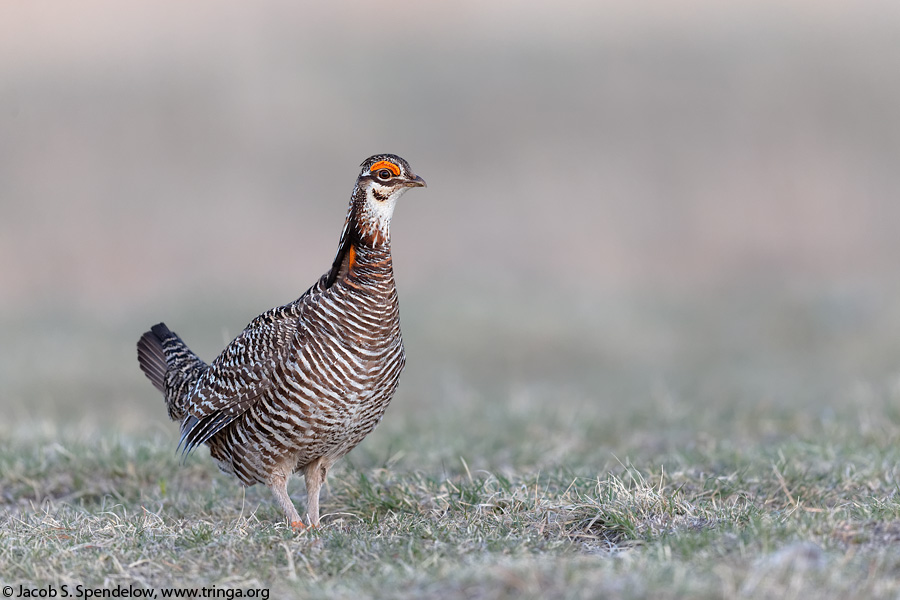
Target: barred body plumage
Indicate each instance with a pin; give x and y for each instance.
(304, 383)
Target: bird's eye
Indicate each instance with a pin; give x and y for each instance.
(384, 174)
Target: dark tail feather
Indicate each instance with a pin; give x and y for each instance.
(152, 356)
(160, 352)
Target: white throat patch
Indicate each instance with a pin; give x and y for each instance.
(378, 213)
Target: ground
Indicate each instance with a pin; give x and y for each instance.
(680, 460)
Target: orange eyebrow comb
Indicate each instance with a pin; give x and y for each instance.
(385, 164)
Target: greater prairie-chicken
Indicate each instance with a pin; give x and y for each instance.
(304, 383)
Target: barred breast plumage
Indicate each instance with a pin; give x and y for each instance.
(304, 383)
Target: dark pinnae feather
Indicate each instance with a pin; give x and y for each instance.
(195, 432)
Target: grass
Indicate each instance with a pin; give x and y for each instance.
(806, 517)
(672, 475)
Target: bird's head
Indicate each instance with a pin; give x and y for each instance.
(383, 179)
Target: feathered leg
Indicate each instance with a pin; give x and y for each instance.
(278, 484)
(314, 473)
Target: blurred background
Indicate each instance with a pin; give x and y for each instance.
(634, 208)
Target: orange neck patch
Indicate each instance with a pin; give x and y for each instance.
(385, 164)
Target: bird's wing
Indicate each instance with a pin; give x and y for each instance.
(239, 376)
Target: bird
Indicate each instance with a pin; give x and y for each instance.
(305, 382)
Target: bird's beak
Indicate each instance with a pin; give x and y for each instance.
(416, 182)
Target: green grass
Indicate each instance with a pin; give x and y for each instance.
(813, 516)
(670, 456)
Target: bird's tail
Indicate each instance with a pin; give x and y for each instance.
(170, 366)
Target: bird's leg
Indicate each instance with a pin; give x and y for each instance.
(314, 473)
(278, 484)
